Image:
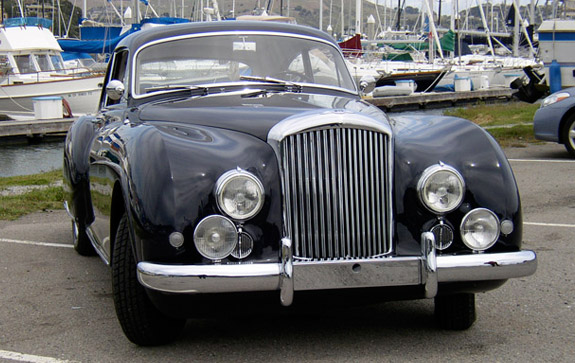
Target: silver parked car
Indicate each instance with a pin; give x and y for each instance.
(555, 120)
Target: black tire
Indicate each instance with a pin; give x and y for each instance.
(568, 135)
(82, 243)
(141, 321)
(455, 312)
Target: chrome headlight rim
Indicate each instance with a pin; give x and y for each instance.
(425, 178)
(224, 180)
(463, 229)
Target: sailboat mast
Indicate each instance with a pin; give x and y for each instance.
(342, 21)
(358, 16)
(320, 14)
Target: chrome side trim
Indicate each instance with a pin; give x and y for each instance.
(68, 211)
(97, 246)
(486, 266)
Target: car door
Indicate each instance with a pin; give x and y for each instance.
(106, 154)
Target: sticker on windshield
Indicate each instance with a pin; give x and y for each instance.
(246, 46)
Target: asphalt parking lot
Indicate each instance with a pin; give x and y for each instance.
(57, 306)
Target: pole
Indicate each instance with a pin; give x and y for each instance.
(342, 21)
(398, 15)
(358, 16)
(320, 14)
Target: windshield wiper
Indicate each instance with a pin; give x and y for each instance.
(288, 86)
(174, 87)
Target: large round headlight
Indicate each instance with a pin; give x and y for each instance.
(480, 229)
(441, 188)
(240, 194)
(215, 237)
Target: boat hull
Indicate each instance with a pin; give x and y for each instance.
(82, 94)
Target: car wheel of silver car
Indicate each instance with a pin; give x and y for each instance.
(142, 323)
(455, 312)
(82, 243)
(568, 135)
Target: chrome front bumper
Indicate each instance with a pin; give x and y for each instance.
(289, 276)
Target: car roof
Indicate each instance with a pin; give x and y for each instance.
(139, 38)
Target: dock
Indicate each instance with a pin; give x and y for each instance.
(39, 128)
(34, 128)
(440, 99)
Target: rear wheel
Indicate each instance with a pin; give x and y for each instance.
(142, 323)
(82, 243)
(455, 312)
(568, 135)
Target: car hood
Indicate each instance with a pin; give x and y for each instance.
(251, 115)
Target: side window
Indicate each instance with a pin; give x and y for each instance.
(25, 63)
(118, 71)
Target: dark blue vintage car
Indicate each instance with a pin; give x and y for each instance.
(233, 162)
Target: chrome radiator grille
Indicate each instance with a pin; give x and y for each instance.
(336, 191)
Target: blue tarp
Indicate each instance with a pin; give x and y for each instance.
(107, 46)
(94, 46)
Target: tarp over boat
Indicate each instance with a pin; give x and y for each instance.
(108, 45)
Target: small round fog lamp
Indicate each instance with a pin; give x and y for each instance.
(480, 229)
(443, 236)
(176, 239)
(215, 237)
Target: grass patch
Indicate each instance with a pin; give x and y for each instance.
(14, 206)
(34, 179)
(516, 119)
(497, 114)
(517, 136)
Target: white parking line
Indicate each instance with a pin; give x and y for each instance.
(45, 244)
(549, 224)
(4, 354)
(542, 161)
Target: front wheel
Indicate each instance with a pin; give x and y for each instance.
(568, 135)
(141, 322)
(455, 312)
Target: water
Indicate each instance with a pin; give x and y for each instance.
(24, 159)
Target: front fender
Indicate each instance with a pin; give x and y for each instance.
(171, 174)
(422, 141)
(76, 168)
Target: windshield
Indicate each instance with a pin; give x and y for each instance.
(215, 59)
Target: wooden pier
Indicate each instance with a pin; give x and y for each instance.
(440, 99)
(34, 128)
(39, 128)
